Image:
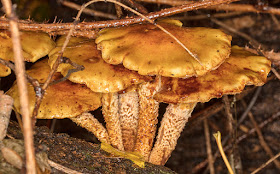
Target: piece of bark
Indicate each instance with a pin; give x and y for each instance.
(6, 105)
(80, 155)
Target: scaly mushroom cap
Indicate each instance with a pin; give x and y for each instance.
(147, 49)
(63, 100)
(98, 75)
(242, 68)
(34, 45)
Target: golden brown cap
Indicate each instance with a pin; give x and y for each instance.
(4, 71)
(98, 75)
(34, 45)
(148, 50)
(242, 68)
(63, 100)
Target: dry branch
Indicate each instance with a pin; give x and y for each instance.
(260, 136)
(87, 11)
(222, 7)
(58, 27)
(20, 74)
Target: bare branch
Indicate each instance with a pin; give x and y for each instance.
(113, 23)
(87, 11)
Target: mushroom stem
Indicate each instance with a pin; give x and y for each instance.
(87, 121)
(147, 120)
(172, 124)
(110, 110)
(129, 111)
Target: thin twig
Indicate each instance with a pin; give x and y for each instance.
(76, 68)
(19, 120)
(207, 16)
(238, 140)
(260, 48)
(267, 163)
(214, 108)
(275, 20)
(251, 104)
(219, 143)
(119, 11)
(22, 86)
(58, 61)
(137, 6)
(246, 8)
(260, 136)
(31, 80)
(87, 11)
(152, 22)
(208, 147)
(62, 168)
(251, 40)
(271, 55)
(229, 116)
(222, 7)
(275, 73)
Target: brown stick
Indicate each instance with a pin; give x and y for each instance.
(265, 164)
(275, 73)
(246, 8)
(239, 139)
(21, 80)
(119, 11)
(55, 66)
(260, 136)
(113, 23)
(251, 40)
(275, 20)
(88, 11)
(208, 147)
(207, 16)
(62, 168)
(31, 80)
(222, 7)
(137, 6)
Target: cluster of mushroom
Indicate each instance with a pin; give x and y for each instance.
(130, 70)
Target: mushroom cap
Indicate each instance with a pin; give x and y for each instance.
(62, 100)
(98, 75)
(34, 45)
(147, 49)
(4, 71)
(240, 69)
